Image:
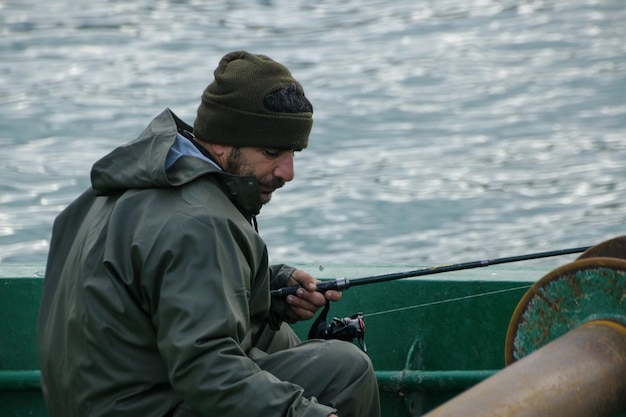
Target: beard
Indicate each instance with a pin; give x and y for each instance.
(238, 165)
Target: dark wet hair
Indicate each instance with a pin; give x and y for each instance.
(289, 99)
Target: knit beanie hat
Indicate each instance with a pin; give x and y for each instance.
(232, 111)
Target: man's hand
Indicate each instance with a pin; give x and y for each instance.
(305, 303)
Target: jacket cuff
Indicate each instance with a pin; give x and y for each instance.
(279, 275)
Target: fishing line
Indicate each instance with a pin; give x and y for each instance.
(450, 300)
(353, 327)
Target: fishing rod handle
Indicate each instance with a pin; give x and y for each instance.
(338, 284)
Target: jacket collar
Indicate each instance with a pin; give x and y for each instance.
(243, 191)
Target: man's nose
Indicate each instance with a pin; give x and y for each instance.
(284, 169)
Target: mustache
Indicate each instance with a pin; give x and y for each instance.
(272, 182)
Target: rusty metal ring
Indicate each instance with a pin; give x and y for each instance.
(613, 248)
(582, 291)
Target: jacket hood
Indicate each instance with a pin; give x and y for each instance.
(140, 164)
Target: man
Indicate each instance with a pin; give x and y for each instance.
(156, 299)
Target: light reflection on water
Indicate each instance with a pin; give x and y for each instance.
(444, 131)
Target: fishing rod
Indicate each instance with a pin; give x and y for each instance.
(341, 284)
(353, 327)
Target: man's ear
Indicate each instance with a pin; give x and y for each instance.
(220, 153)
(217, 150)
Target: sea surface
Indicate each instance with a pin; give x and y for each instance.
(445, 131)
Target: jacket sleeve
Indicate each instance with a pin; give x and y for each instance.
(207, 282)
(279, 275)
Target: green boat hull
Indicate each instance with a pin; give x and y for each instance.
(430, 338)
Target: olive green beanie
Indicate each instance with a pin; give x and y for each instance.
(232, 110)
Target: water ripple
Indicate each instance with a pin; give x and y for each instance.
(444, 130)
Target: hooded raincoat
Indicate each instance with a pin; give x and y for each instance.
(156, 290)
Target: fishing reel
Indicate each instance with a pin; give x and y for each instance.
(347, 329)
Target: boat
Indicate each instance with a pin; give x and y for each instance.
(498, 341)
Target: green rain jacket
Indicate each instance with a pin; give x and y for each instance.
(155, 288)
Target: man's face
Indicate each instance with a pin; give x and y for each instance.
(272, 167)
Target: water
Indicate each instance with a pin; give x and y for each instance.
(445, 131)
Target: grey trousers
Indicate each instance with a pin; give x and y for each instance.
(337, 373)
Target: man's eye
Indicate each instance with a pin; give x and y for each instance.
(272, 153)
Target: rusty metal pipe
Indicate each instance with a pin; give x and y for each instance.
(580, 374)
